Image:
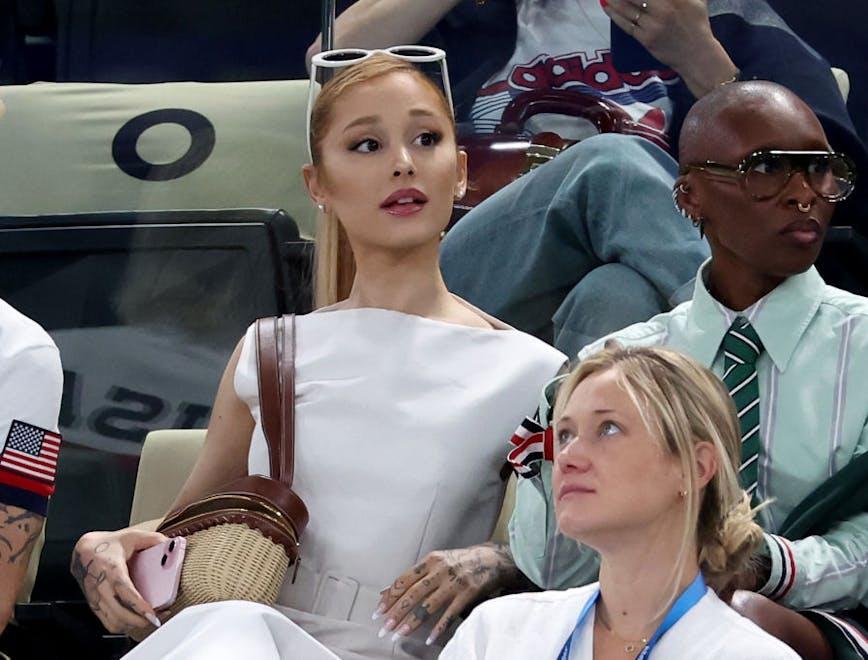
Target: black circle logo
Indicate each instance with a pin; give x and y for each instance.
(202, 140)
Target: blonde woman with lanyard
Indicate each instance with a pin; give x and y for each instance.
(405, 395)
(646, 446)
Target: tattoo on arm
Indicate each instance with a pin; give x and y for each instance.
(18, 533)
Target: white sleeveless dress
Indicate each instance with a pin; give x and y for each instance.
(402, 425)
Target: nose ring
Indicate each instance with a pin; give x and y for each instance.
(804, 208)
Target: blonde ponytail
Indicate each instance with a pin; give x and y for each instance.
(335, 266)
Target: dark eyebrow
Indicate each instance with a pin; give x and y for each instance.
(603, 411)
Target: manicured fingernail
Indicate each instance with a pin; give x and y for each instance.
(381, 608)
(387, 627)
(430, 640)
(403, 631)
(153, 619)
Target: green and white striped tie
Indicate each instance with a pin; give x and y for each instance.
(741, 348)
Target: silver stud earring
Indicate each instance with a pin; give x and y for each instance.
(321, 207)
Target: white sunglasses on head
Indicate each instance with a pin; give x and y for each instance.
(323, 64)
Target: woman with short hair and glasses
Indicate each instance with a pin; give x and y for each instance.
(759, 179)
(405, 396)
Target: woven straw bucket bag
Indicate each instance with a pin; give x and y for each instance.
(243, 536)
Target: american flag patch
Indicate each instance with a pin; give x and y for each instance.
(29, 459)
(531, 444)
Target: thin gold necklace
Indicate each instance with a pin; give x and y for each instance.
(631, 646)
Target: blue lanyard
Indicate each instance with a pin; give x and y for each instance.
(689, 597)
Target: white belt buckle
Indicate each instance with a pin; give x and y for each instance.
(336, 596)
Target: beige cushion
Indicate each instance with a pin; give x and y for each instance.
(168, 458)
(166, 461)
(57, 148)
(501, 530)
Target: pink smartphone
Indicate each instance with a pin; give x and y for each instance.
(156, 571)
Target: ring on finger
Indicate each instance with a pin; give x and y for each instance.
(421, 612)
(643, 7)
(636, 19)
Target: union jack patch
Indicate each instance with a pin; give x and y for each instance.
(532, 443)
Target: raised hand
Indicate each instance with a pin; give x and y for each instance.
(678, 33)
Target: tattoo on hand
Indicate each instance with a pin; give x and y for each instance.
(82, 574)
(128, 605)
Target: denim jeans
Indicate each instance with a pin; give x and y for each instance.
(579, 247)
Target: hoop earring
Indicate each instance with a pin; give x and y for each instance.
(680, 188)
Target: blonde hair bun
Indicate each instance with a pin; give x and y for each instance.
(727, 555)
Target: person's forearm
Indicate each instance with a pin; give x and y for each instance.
(706, 69)
(382, 23)
(825, 571)
(19, 531)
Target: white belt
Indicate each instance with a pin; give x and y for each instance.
(329, 594)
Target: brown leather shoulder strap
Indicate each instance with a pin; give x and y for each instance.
(275, 361)
(287, 401)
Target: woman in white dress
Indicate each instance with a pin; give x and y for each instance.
(405, 398)
(646, 473)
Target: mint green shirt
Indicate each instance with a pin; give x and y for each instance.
(813, 380)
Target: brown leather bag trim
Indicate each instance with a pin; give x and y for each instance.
(256, 487)
(253, 519)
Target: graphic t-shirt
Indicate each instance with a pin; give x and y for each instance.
(565, 44)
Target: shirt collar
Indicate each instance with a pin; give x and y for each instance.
(780, 318)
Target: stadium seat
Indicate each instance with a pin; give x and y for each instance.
(73, 148)
(167, 459)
